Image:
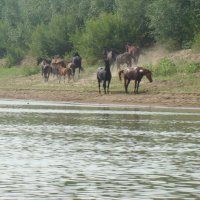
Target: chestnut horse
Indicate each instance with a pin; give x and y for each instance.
(134, 51)
(136, 74)
(104, 74)
(62, 71)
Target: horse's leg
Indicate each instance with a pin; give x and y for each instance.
(74, 70)
(129, 62)
(136, 86)
(108, 87)
(128, 81)
(68, 77)
(99, 85)
(79, 70)
(125, 85)
(138, 83)
(104, 86)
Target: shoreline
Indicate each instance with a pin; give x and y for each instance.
(72, 102)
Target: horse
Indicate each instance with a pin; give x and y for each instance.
(63, 72)
(110, 55)
(136, 74)
(77, 60)
(46, 69)
(124, 58)
(56, 63)
(134, 51)
(72, 66)
(40, 59)
(104, 74)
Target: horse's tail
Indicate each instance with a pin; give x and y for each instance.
(120, 74)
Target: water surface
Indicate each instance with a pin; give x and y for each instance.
(76, 151)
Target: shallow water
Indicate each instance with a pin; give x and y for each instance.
(71, 151)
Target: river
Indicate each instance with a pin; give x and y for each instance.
(57, 151)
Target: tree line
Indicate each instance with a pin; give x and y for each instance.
(50, 27)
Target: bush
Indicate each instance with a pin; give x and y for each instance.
(164, 68)
(191, 67)
(196, 43)
(28, 71)
(167, 67)
(14, 56)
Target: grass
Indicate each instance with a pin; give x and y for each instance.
(166, 80)
(12, 72)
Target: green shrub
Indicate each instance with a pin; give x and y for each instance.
(28, 71)
(14, 56)
(196, 43)
(164, 68)
(191, 67)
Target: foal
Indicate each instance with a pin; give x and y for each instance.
(104, 74)
(63, 72)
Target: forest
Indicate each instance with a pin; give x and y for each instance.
(50, 27)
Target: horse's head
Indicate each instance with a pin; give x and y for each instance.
(148, 74)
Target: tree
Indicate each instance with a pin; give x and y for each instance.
(171, 21)
(99, 33)
(135, 22)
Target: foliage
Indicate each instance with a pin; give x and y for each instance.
(14, 56)
(48, 27)
(3, 38)
(170, 20)
(52, 39)
(168, 67)
(196, 43)
(28, 71)
(99, 33)
(191, 67)
(164, 67)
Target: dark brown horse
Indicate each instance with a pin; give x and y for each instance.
(136, 74)
(46, 69)
(134, 51)
(104, 74)
(77, 60)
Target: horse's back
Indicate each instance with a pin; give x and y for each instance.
(100, 73)
(77, 61)
(131, 73)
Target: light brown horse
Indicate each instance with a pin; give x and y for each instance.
(62, 72)
(134, 51)
(72, 66)
(136, 74)
(56, 63)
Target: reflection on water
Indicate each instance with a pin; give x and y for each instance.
(87, 152)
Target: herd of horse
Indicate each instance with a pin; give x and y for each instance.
(130, 73)
(57, 66)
